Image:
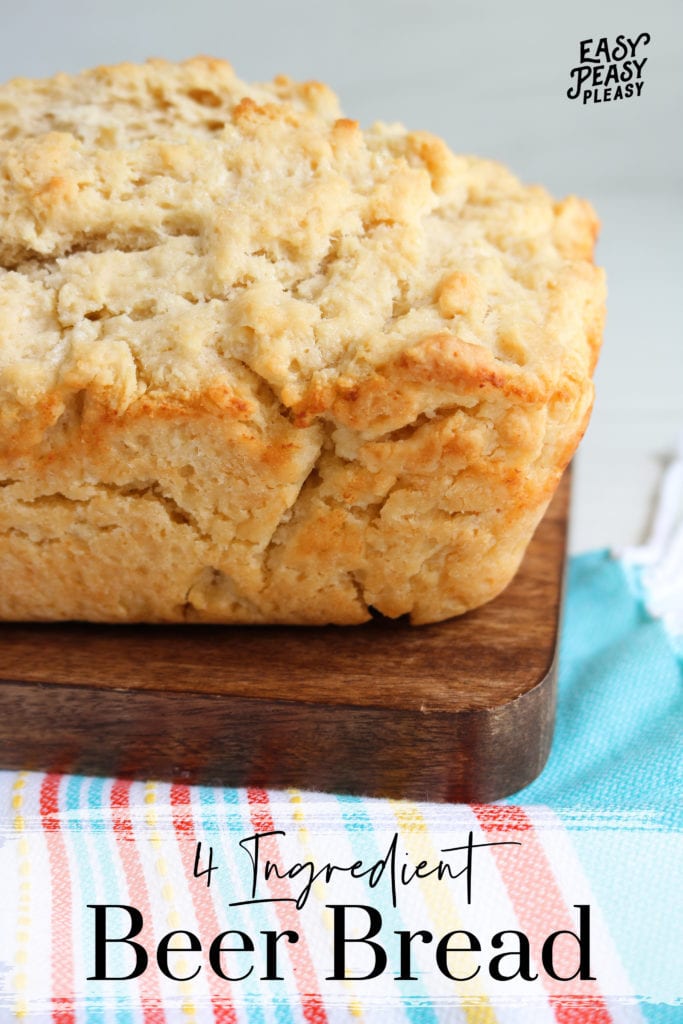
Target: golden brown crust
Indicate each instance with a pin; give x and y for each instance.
(259, 365)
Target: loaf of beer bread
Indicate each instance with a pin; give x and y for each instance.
(259, 365)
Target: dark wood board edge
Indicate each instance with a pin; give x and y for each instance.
(473, 756)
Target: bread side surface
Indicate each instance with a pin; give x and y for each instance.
(257, 365)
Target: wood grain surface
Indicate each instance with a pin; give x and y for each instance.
(461, 710)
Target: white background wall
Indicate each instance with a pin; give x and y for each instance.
(490, 76)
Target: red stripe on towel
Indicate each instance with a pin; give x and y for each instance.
(540, 908)
(150, 992)
(302, 963)
(62, 966)
(202, 900)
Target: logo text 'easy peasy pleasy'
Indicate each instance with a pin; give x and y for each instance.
(607, 70)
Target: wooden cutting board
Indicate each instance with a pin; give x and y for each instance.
(460, 711)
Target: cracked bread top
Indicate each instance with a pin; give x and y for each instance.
(168, 232)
